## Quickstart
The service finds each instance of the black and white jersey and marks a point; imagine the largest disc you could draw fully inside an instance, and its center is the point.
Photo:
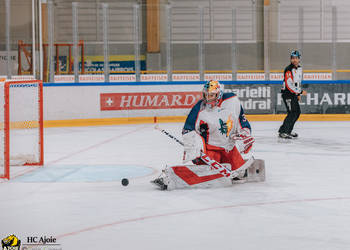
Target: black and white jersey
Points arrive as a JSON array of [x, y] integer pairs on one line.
[[292, 79]]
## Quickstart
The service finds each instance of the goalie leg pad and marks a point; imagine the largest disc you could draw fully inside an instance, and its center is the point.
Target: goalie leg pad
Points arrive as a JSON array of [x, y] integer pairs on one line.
[[203, 176], [234, 158], [194, 176]]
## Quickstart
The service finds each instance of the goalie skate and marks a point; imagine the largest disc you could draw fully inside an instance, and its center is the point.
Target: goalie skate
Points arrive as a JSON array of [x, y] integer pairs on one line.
[[160, 182]]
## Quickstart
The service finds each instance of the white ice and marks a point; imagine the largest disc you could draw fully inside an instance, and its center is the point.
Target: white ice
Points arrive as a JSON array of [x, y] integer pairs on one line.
[[304, 203]]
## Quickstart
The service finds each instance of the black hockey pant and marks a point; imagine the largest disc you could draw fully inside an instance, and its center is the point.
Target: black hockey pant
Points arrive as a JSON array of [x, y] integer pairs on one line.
[[293, 113]]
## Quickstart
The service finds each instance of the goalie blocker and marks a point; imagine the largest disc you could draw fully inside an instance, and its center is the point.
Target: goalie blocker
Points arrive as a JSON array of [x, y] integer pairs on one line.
[[203, 176]]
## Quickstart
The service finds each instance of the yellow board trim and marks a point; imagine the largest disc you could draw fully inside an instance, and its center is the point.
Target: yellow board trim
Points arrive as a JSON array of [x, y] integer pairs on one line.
[[166, 119]]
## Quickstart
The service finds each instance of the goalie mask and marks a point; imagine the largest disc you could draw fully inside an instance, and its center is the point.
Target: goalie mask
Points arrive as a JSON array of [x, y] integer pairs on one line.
[[212, 93]]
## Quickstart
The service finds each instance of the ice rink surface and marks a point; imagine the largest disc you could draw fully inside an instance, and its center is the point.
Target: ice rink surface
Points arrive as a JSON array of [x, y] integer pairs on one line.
[[77, 197]]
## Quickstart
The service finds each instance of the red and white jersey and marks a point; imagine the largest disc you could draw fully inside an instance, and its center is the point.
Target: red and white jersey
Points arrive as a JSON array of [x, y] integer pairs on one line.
[[216, 124], [292, 79]]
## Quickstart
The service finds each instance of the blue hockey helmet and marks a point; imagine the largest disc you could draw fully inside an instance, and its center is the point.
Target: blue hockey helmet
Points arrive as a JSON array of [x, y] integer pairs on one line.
[[295, 53]]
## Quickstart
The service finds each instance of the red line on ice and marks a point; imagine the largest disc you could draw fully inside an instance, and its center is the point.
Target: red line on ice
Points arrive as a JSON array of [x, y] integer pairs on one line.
[[195, 211]]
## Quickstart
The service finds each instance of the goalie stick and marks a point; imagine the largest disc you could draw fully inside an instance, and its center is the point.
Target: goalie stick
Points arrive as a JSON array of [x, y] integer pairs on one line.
[[211, 162]]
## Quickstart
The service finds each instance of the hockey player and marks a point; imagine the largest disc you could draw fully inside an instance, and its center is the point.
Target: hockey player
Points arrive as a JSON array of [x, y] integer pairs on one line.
[[291, 91], [217, 127]]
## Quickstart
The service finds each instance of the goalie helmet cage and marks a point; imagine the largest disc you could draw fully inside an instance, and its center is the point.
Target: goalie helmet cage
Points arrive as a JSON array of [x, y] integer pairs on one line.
[[21, 124]]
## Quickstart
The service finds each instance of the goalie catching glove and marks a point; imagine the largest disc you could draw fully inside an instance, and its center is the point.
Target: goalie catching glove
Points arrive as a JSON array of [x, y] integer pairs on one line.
[[193, 146], [243, 141]]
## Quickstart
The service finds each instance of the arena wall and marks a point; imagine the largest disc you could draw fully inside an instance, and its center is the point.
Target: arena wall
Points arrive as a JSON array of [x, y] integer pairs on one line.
[[89, 104]]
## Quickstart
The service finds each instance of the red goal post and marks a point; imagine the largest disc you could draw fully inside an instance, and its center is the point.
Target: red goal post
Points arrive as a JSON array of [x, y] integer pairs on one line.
[[21, 124]]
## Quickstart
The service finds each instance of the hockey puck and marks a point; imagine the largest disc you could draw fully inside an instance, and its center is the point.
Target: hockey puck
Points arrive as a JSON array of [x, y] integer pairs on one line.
[[125, 182]]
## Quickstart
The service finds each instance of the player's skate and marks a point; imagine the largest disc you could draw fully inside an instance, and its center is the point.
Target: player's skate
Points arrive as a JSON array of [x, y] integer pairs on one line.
[[241, 178], [294, 135], [161, 181], [285, 136]]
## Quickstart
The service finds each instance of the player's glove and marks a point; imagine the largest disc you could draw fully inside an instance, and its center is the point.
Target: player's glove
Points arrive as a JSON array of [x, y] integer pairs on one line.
[[244, 141], [193, 146]]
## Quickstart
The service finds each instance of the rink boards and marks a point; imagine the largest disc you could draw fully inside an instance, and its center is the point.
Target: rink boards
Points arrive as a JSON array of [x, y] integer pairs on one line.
[[89, 104]]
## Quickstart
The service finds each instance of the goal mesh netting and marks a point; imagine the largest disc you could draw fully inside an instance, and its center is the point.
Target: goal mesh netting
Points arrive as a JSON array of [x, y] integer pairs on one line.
[[21, 119]]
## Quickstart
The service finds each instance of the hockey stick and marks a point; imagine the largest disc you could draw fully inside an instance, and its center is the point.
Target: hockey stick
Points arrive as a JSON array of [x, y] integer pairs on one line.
[[211, 162], [169, 135]]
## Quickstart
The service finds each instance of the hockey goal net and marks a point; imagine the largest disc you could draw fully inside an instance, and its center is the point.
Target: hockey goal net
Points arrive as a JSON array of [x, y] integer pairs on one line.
[[21, 124]]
